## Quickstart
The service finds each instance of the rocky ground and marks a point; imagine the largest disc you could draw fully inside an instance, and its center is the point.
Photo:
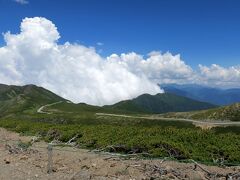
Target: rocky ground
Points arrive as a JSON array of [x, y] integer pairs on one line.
[[19, 162]]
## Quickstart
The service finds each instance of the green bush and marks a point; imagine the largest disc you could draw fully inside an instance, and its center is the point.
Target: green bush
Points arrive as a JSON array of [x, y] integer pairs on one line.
[[157, 140]]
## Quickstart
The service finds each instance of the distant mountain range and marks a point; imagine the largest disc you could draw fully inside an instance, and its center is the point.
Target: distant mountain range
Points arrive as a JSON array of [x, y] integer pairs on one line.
[[17, 99], [206, 94]]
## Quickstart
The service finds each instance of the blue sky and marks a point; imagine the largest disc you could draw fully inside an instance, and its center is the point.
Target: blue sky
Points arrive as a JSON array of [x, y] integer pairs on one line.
[[203, 32]]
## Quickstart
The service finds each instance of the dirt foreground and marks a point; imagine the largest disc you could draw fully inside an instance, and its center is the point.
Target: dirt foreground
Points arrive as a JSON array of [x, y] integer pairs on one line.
[[79, 164]]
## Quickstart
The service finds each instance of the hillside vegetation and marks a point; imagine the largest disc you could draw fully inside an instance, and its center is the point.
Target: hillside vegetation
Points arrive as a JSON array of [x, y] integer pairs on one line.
[[230, 113], [178, 142], [19, 99]]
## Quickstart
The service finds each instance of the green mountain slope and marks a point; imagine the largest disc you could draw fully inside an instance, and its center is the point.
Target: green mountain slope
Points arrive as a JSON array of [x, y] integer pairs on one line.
[[230, 113], [160, 103], [18, 99]]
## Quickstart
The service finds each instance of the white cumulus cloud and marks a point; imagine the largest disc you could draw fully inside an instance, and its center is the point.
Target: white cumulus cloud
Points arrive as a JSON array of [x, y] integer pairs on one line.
[[160, 68], [80, 74], [216, 75], [73, 71]]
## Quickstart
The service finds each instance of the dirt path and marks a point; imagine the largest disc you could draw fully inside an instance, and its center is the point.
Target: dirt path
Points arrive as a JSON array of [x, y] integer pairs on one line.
[[197, 122], [71, 163], [40, 110]]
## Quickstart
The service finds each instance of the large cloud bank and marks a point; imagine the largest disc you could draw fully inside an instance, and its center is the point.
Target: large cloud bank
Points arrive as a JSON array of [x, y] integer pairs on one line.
[[80, 74]]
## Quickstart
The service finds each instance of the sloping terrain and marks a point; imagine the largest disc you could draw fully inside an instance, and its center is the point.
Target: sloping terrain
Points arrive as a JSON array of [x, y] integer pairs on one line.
[[205, 94], [160, 103], [230, 113], [19, 99]]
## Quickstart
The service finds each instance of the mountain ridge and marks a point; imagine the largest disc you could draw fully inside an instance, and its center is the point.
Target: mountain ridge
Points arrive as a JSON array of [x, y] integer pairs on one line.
[[160, 103]]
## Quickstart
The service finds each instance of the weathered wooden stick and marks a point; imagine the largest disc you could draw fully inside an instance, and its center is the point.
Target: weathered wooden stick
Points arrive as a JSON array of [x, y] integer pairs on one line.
[[50, 163], [72, 139], [198, 165]]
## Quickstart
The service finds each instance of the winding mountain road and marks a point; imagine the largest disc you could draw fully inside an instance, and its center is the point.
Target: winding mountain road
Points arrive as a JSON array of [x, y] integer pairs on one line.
[[40, 110]]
